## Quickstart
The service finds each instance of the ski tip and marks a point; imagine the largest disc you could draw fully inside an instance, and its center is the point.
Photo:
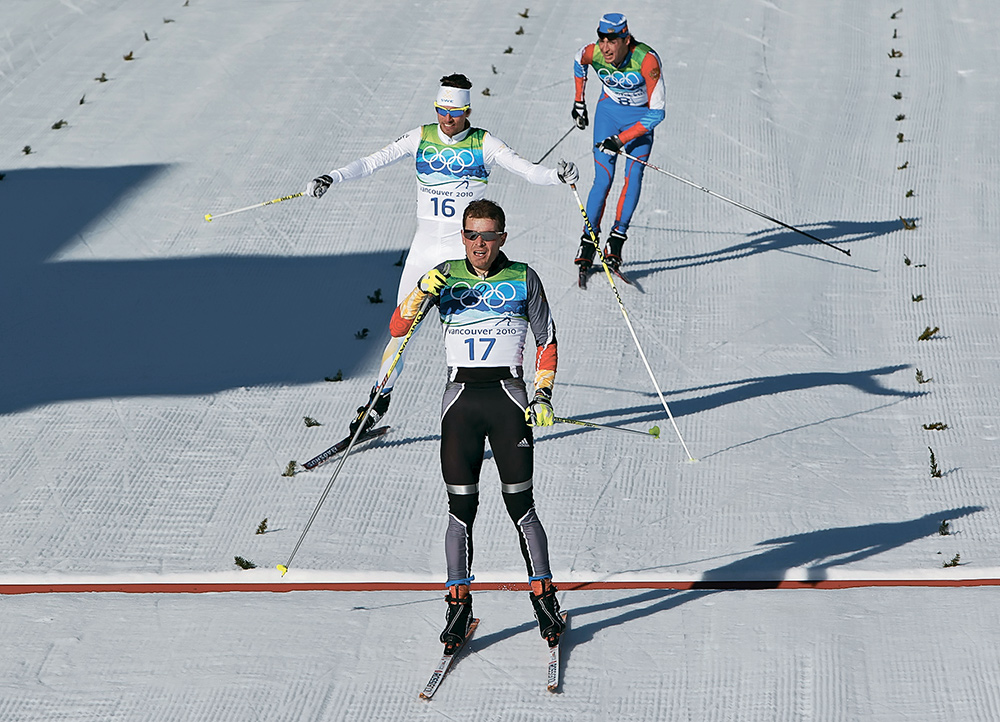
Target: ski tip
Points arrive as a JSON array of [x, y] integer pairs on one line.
[[208, 217], [692, 460], [655, 432], [283, 569]]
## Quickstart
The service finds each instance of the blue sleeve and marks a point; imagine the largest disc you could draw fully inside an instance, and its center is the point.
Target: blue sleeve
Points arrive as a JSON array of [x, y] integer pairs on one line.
[[652, 119]]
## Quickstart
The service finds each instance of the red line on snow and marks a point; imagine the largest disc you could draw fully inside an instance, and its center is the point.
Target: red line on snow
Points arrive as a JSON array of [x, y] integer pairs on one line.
[[373, 586]]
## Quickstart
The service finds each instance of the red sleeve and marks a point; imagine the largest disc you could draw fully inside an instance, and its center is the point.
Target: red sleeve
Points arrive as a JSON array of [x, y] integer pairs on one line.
[[399, 326], [546, 358], [651, 73], [580, 73]]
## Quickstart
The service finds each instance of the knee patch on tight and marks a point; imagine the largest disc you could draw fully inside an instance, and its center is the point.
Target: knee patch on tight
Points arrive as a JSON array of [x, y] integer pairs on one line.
[[463, 507], [519, 504]]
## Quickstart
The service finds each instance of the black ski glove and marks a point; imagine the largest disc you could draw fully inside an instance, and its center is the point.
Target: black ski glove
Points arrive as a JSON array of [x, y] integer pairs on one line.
[[611, 145]]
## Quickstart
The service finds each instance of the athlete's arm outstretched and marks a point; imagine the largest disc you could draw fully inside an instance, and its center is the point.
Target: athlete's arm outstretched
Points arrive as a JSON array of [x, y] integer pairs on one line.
[[405, 145], [496, 152]]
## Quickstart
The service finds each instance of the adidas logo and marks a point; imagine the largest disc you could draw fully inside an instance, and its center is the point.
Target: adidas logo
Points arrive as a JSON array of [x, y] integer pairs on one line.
[[524, 444]]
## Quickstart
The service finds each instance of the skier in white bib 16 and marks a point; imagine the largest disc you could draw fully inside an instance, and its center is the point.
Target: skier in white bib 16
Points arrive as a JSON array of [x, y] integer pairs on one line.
[[453, 161]]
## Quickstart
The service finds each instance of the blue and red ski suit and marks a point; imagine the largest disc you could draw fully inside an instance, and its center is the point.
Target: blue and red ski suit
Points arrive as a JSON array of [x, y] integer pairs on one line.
[[632, 103]]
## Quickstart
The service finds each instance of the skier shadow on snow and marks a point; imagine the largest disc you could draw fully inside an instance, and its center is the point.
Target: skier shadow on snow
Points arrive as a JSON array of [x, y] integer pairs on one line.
[[733, 392], [817, 551], [78, 329], [836, 232]]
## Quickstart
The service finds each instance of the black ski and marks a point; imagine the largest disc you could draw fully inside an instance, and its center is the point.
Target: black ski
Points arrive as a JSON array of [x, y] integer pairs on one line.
[[343, 444], [445, 664], [621, 274], [553, 670], [585, 274]]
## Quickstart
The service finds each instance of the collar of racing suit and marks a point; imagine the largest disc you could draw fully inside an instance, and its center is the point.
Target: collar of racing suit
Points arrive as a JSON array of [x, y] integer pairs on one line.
[[501, 262], [457, 138]]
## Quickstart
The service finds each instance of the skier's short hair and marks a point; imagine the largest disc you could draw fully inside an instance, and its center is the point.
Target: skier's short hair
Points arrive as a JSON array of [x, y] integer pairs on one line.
[[456, 80], [487, 209]]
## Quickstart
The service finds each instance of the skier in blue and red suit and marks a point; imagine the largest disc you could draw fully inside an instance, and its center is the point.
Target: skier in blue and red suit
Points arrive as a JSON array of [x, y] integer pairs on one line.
[[632, 103]]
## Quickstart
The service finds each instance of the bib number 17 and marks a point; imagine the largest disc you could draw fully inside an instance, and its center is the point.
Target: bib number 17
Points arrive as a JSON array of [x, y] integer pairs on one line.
[[471, 343], [446, 207]]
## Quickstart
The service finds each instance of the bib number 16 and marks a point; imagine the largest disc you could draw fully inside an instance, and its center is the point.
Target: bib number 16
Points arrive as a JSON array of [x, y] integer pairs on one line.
[[445, 208]]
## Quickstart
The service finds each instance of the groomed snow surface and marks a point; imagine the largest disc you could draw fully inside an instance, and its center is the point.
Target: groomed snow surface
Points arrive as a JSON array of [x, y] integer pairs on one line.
[[156, 369]]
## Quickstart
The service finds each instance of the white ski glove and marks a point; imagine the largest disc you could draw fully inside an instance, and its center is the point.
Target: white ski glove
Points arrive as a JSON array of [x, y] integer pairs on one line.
[[318, 186], [568, 172]]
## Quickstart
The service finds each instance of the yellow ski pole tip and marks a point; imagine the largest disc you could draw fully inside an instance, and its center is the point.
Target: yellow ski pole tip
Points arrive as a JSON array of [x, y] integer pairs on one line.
[[282, 568], [208, 217], [655, 432]]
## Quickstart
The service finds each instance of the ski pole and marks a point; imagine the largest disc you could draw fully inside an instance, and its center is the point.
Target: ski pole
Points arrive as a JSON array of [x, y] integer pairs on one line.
[[736, 203], [572, 128], [654, 432], [621, 305], [283, 568], [209, 217]]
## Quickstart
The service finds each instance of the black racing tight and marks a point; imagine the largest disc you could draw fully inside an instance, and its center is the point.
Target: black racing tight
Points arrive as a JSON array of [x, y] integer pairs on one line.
[[472, 413]]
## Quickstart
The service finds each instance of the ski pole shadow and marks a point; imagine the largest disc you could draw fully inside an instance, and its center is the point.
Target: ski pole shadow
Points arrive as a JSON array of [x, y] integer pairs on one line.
[[390, 443], [481, 642], [659, 600], [817, 551], [714, 396], [836, 232], [566, 644]]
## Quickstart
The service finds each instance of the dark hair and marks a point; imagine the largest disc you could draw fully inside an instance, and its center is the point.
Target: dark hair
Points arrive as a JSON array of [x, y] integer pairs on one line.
[[486, 209], [456, 80]]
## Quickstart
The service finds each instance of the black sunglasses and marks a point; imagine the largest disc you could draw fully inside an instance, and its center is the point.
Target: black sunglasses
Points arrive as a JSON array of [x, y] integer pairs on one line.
[[610, 36], [485, 235]]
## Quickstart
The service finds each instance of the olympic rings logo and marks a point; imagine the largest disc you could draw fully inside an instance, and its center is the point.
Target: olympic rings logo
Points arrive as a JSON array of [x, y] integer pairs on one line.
[[453, 160], [618, 79], [493, 296]]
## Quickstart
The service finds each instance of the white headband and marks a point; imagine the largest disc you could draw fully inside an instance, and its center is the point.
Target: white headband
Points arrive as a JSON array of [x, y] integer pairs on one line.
[[453, 97]]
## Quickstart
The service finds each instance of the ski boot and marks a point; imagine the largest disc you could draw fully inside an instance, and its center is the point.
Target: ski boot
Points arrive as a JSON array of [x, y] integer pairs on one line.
[[613, 251], [378, 411], [458, 619], [585, 257], [546, 606]]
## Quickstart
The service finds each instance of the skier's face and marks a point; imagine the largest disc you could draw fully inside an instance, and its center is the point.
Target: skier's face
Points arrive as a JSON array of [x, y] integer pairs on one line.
[[614, 50], [450, 123], [481, 252]]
